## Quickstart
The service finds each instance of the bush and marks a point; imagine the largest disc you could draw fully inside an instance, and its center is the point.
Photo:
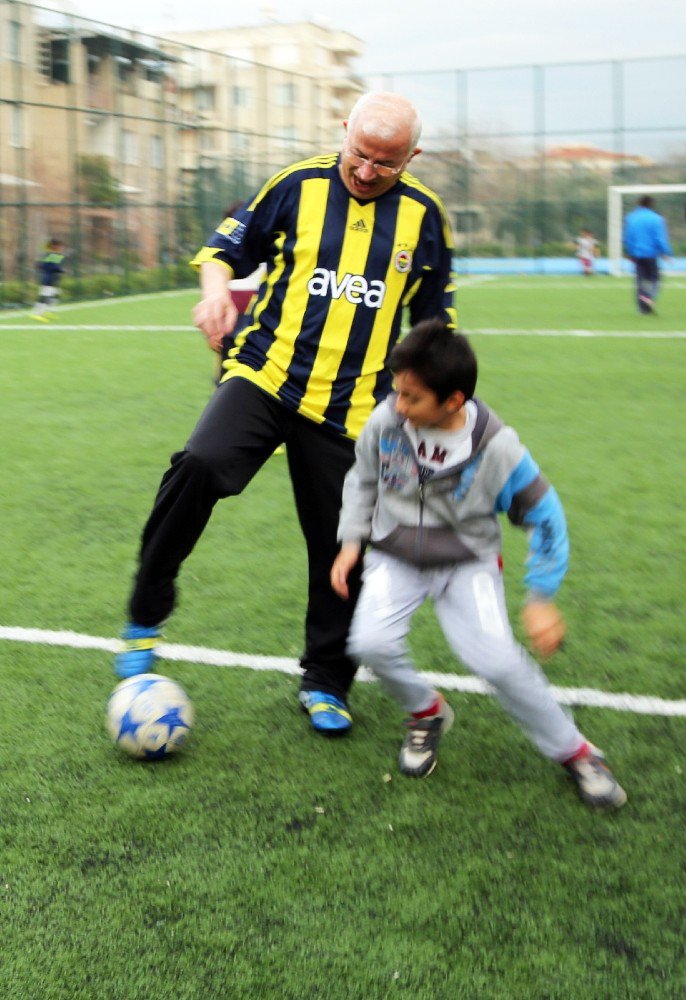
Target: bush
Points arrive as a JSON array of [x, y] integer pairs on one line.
[[18, 293], [96, 286]]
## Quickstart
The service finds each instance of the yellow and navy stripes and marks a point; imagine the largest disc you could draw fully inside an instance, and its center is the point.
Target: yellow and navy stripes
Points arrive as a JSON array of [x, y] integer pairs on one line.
[[339, 272]]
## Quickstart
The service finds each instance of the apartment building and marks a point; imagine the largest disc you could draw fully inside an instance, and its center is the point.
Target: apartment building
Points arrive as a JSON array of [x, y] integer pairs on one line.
[[88, 140], [255, 99], [107, 136]]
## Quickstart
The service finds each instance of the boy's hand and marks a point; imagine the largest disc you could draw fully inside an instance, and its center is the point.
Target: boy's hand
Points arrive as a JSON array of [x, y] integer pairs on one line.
[[343, 563], [544, 626]]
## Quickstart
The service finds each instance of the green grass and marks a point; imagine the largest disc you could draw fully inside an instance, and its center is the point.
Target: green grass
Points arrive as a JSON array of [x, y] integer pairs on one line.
[[266, 862]]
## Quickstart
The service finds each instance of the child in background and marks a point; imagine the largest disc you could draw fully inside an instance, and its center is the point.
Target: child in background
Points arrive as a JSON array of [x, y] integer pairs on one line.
[[587, 250], [50, 270], [434, 467]]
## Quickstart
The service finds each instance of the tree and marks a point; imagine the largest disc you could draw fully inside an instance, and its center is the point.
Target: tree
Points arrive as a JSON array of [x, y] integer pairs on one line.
[[96, 183]]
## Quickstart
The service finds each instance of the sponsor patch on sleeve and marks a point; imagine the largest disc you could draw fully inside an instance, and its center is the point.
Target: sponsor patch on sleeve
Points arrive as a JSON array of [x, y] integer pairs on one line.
[[232, 229]]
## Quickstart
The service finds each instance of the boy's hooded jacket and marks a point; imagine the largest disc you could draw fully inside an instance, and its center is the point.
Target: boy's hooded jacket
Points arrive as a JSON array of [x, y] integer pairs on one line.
[[451, 517]]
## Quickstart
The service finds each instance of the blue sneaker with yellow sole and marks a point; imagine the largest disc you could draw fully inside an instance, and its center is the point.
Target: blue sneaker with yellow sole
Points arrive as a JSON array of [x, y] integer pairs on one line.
[[328, 714], [137, 654]]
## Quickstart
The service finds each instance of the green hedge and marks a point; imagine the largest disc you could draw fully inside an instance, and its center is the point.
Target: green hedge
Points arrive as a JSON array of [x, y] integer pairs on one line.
[[95, 286]]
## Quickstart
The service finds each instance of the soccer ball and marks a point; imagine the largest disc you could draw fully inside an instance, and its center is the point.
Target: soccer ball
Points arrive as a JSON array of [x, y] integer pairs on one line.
[[149, 716]]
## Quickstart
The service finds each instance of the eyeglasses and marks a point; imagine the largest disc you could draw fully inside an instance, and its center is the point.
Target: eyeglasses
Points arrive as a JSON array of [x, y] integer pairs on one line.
[[382, 169]]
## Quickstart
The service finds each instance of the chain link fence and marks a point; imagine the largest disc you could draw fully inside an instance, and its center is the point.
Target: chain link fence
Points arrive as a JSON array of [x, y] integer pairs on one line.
[[128, 147]]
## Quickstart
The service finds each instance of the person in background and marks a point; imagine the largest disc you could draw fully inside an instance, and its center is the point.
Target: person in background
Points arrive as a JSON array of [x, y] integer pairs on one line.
[[586, 251], [50, 270], [645, 241], [349, 239], [434, 468]]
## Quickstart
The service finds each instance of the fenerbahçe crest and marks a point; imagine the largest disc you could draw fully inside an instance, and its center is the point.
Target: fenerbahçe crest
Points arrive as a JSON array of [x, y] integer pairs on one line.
[[402, 261]]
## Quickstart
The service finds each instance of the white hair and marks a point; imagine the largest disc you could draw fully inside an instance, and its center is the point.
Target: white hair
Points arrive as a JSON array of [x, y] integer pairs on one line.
[[382, 114]]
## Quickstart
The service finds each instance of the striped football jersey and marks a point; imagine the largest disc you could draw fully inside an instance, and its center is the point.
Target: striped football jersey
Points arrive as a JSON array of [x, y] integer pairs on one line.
[[339, 273]]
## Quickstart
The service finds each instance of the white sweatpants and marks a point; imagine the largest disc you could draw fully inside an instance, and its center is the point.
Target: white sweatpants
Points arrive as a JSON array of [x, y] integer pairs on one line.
[[470, 604]]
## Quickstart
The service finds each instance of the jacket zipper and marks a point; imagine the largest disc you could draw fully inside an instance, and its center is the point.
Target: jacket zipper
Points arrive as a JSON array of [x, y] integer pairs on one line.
[[419, 546]]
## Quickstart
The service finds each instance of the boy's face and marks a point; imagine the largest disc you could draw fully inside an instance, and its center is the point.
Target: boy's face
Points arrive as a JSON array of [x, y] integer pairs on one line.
[[419, 404]]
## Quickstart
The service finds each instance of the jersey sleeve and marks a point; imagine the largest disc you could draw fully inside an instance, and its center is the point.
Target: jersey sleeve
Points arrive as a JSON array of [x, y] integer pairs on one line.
[[242, 241], [532, 503], [434, 293]]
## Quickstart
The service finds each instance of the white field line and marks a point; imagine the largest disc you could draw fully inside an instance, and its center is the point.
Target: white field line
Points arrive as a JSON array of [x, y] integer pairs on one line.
[[51, 327], [510, 284], [96, 303], [621, 334], [467, 280], [484, 331], [590, 697]]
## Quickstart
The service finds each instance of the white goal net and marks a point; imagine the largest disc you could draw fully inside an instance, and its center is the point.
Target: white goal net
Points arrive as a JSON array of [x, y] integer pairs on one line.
[[615, 215]]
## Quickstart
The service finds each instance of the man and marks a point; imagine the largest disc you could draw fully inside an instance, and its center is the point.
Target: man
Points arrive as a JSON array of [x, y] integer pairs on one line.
[[349, 240], [645, 241]]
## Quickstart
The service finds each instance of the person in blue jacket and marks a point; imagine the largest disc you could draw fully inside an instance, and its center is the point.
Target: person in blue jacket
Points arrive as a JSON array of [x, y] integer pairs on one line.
[[434, 467], [645, 241]]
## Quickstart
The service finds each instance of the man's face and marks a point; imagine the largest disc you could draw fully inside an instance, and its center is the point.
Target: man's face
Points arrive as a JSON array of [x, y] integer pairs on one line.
[[365, 160]]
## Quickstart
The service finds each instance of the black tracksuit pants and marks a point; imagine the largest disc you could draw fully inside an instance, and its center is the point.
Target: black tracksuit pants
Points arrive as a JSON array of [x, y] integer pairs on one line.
[[236, 434], [647, 282]]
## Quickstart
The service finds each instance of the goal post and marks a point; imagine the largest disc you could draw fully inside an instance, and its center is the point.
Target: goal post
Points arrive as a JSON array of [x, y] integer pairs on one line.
[[615, 215]]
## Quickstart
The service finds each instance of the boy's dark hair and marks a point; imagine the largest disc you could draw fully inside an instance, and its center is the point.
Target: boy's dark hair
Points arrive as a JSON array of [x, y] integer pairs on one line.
[[646, 201], [441, 358]]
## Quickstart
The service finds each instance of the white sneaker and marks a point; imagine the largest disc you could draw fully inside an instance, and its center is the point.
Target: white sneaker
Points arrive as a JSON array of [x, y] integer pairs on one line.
[[597, 785], [418, 753]]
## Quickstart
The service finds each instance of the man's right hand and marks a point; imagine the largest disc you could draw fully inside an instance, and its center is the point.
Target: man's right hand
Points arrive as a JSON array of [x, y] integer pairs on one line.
[[216, 316]]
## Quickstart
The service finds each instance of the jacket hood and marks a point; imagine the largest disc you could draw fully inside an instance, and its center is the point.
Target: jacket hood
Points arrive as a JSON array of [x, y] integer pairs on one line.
[[487, 424]]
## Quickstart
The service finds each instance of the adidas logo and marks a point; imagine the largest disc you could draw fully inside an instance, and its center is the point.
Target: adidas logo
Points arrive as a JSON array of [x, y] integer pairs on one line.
[[359, 227]]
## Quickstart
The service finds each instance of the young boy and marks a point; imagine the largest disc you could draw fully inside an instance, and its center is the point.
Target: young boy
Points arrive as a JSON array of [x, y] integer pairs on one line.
[[50, 271], [434, 467], [587, 251]]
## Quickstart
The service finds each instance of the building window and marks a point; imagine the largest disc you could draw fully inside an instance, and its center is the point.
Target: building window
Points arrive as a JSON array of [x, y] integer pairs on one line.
[[126, 71], [241, 97], [53, 58], [240, 142], [153, 70], [16, 126], [14, 41], [204, 99], [60, 60], [285, 95], [130, 148], [156, 152], [286, 137]]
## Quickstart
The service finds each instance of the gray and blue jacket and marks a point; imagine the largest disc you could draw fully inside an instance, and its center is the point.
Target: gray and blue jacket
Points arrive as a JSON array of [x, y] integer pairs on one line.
[[453, 516]]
